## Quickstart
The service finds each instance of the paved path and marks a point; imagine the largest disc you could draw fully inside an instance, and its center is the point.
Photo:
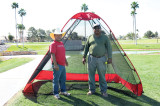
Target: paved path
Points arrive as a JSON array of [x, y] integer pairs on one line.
[[15, 79]]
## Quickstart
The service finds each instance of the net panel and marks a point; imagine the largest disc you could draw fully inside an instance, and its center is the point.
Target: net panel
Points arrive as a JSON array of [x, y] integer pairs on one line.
[[121, 64]]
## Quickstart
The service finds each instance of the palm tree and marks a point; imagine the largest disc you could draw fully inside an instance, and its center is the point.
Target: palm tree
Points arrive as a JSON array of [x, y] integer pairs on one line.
[[15, 6], [84, 7], [132, 14], [22, 13], [134, 6], [21, 27]]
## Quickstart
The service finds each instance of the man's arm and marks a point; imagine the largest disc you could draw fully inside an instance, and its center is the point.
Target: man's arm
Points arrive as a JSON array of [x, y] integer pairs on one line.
[[109, 51], [86, 49], [56, 67]]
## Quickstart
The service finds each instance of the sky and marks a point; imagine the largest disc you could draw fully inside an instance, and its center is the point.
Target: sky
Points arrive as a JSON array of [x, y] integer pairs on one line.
[[49, 14]]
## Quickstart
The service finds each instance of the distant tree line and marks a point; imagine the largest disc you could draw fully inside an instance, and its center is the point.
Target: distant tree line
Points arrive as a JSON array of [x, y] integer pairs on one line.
[[75, 36], [149, 34], [39, 35]]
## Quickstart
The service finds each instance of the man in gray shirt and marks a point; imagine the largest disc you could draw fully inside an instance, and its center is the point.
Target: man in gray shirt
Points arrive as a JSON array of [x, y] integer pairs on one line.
[[98, 45]]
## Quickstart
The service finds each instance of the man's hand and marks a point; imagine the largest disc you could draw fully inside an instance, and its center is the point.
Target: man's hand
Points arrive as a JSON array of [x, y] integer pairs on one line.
[[109, 61], [84, 60], [66, 63], [56, 67]]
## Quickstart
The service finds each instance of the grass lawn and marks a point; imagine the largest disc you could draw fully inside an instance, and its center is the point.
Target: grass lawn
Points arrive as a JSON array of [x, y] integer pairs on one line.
[[141, 46], [40, 49], [140, 41], [31, 43], [148, 70], [12, 63]]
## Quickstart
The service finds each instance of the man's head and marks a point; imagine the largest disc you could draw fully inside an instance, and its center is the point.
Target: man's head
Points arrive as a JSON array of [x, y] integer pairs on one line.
[[57, 35], [97, 29]]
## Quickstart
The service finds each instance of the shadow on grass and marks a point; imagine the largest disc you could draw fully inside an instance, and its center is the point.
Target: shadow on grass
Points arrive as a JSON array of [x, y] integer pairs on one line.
[[79, 93], [125, 92], [142, 98], [31, 97], [72, 100], [148, 100], [118, 101], [75, 101]]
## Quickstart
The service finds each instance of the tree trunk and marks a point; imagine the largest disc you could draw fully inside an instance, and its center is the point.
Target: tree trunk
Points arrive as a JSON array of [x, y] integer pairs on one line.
[[22, 33], [16, 28], [135, 30]]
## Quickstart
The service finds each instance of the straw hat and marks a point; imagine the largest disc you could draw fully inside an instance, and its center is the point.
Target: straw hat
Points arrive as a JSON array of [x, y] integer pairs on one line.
[[58, 32]]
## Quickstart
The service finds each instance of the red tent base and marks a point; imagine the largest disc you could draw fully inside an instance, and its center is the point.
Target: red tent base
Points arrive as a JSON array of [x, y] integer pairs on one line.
[[48, 75]]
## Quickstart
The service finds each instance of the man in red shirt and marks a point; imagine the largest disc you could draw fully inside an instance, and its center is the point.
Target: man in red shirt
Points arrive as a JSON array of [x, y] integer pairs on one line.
[[59, 62]]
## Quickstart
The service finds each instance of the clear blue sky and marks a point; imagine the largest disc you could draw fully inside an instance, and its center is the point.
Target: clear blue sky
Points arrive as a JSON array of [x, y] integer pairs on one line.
[[48, 14]]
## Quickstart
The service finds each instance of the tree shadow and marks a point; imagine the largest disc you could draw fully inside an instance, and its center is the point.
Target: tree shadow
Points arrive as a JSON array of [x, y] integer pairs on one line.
[[143, 98], [75, 101], [118, 101], [148, 100]]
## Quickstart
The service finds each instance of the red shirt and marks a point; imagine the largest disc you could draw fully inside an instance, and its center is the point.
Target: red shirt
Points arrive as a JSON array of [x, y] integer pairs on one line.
[[58, 49]]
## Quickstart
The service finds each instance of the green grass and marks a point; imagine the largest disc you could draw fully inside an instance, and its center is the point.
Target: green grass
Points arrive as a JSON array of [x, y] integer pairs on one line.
[[40, 49], [31, 43], [148, 70], [47, 43], [75, 64], [139, 41], [141, 46], [12, 63]]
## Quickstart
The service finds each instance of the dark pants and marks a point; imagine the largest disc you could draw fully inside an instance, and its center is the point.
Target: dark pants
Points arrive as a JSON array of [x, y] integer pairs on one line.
[[99, 65]]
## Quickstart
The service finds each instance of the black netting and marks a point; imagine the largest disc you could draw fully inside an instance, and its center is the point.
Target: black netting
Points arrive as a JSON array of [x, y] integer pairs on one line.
[[75, 40]]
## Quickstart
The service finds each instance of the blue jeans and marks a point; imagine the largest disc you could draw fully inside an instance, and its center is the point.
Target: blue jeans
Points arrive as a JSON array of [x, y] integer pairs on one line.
[[99, 65], [59, 79]]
